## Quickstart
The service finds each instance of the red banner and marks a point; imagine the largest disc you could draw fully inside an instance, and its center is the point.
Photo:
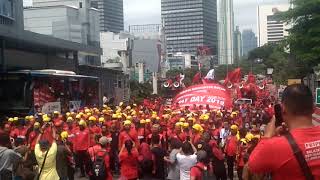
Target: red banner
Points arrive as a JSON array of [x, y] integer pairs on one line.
[[214, 95]]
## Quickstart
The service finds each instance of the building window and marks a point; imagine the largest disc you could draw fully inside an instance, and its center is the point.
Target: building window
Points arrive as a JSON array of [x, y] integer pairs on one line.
[[6, 8], [80, 4]]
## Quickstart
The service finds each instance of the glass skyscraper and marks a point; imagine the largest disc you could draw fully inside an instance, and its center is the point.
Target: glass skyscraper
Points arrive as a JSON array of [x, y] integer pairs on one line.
[[189, 25], [111, 14]]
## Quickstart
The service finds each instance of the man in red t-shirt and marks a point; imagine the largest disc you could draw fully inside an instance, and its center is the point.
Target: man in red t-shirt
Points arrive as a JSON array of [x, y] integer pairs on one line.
[[198, 171], [274, 154], [231, 149]]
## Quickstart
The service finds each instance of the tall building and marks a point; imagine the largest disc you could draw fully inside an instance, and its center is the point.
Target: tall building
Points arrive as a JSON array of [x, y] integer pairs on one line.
[[226, 30], [146, 31], [111, 14], [249, 41], [237, 45], [270, 29], [189, 24], [73, 20]]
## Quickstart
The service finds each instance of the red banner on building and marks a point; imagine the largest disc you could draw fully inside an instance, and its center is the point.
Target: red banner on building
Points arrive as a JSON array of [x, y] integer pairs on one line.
[[214, 95]]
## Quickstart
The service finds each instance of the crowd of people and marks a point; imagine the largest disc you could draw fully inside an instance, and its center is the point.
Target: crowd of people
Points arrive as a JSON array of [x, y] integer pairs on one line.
[[135, 142]]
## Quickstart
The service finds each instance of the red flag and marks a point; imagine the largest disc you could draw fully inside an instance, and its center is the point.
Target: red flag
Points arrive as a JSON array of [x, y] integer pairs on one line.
[[196, 79], [233, 76], [251, 78]]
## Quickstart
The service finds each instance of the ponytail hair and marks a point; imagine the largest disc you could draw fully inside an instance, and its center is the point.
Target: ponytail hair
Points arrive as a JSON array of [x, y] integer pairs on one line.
[[128, 145]]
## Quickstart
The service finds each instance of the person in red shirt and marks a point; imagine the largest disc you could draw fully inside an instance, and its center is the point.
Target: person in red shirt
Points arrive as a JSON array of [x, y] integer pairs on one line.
[[128, 133], [81, 144], [231, 150], [33, 135], [20, 131], [273, 154], [102, 151], [178, 133], [198, 171], [128, 158]]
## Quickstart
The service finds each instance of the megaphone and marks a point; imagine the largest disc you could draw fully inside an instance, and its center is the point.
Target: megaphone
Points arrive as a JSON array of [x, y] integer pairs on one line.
[[261, 87], [176, 84], [229, 85], [166, 84]]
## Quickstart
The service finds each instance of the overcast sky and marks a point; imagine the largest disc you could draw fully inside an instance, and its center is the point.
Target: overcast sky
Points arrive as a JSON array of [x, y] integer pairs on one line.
[[149, 11]]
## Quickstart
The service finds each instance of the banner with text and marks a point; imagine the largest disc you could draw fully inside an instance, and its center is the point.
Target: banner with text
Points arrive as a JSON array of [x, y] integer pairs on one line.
[[50, 107], [214, 95]]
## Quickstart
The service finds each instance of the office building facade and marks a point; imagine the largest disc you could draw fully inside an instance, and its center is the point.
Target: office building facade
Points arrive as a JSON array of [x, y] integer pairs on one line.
[[111, 15], [249, 41], [189, 25], [270, 28], [237, 45], [226, 32]]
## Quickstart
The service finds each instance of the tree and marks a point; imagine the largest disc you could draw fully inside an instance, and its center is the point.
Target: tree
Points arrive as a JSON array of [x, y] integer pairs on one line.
[[304, 36], [140, 91]]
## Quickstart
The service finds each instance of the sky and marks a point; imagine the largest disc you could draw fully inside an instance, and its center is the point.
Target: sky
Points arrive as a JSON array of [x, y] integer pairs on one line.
[[138, 12], [149, 11]]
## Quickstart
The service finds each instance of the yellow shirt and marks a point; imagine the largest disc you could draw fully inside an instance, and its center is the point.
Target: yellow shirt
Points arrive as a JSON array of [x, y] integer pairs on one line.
[[49, 171]]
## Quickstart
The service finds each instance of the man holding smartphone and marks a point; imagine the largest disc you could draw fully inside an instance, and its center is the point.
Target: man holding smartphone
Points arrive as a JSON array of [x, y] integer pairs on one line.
[[275, 154]]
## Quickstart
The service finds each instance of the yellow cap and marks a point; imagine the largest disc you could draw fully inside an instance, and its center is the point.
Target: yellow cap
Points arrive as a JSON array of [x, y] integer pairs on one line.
[[185, 125], [89, 114], [243, 140], [64, 135], [142, 121], [56, 112], [126, 122], [249, 137], [15, 119], [135, 105], [82, 123], [121, 103], [92, 118], [31, 117], [101, 119], [69, 119], [87, 111], [36, 124], [179, 124], [157, 118], [68, 114], [128, 107], [114, 116], [129, 118], [10, 120], [197, 127], [234, 127], [119, 116], [182, 120], [148, 120], [27, 118], [154, 116], [191, 119], [78, 116]]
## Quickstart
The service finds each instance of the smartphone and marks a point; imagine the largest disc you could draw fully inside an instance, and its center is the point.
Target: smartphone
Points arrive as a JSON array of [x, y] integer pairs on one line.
[[278, 114]]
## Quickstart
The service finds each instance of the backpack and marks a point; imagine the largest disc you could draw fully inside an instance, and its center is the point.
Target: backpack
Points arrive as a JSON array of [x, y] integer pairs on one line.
[[99, 167], [204, 173]]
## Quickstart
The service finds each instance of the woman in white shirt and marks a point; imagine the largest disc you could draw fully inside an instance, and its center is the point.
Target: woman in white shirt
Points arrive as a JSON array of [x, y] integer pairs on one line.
[[186, 159]]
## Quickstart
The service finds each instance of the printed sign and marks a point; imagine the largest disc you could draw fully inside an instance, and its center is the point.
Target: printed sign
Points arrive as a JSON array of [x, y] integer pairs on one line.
[[50, 107], [74, 106]]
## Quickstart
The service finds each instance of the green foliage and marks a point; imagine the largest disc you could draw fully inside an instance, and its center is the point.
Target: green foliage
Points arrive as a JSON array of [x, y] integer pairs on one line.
[[304, 38], [140, 91]]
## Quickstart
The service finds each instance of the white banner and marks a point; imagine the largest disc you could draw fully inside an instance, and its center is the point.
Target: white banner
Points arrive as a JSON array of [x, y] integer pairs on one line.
[[50, 107], [74, 106]]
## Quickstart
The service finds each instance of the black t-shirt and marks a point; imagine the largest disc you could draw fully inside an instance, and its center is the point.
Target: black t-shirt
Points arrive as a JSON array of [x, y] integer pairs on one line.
[[159, 154]]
